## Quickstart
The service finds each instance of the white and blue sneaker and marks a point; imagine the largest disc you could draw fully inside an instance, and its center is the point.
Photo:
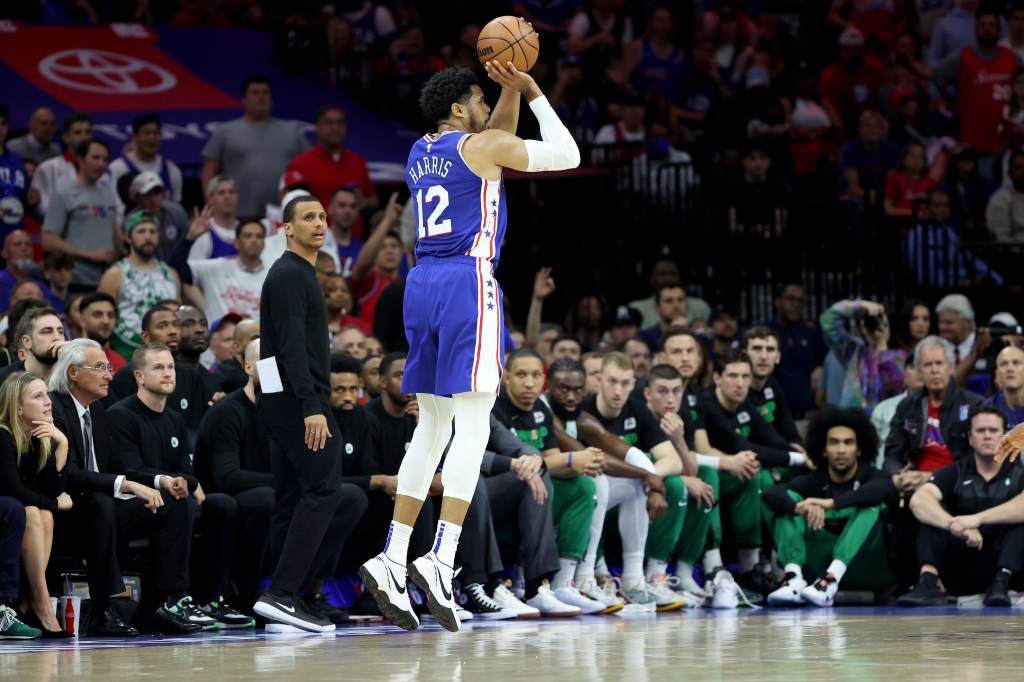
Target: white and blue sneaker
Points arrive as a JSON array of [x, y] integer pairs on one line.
[[435, 579], [386, 581]]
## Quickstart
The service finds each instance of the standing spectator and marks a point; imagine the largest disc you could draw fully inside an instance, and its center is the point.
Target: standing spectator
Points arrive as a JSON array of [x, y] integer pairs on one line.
[[802, 346], [912, 181], [37, 145], [328, 165], [232, 284], [344, 211], [851, 85], [982, 76], [144, 155], [254, 150], [378, 262], [1015, 40], [952, 33], [81, 218], [212, 232], [13, 182], [57, 171], [1005, 212]]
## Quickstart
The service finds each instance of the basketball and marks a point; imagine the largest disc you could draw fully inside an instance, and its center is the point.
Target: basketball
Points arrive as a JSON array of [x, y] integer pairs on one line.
[[509, 39]]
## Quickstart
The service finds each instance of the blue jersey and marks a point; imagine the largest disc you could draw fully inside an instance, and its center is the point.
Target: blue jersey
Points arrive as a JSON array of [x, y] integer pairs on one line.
[[457, 212], [13, 191]]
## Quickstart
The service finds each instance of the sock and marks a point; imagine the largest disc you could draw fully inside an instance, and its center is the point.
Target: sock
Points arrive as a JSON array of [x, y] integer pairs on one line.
[[601, 568], [794, 569], [632, 569], [712, 560], [446, 542], [655, 567], [492, 584], [684, 570], [1006, 571], [397, 546], [838, 569], [928, 579], [566, 572], [749, 556], [532, 586]]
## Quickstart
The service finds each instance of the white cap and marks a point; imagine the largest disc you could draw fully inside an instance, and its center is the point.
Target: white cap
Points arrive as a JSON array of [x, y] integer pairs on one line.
[[146, 181]]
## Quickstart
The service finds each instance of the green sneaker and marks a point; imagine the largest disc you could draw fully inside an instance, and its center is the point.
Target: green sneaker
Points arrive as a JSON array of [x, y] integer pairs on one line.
[[12, 628], [228, 617]]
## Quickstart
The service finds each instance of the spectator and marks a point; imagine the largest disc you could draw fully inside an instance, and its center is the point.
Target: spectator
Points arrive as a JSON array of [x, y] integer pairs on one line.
[[952, 33], [213, 232], [598, 34], [624, 325], [910, 183], [201, 13], [378, 262], [670, 302], [952, 544], [802, 346], [254, 150], [1015, 40], [701, 88], [1005, 212], [52, 174], [866, 161], [147, 192], [33, 459], [663, 272], [344, 212], [915, 323], [98, 315], [850, 86], [908, 72], [652, 65], [1009, 376], [810, 127], [570, 99], [231, 371], [57, 270], [13, 182], [17, 254], [956, 325], [734, 45], [12, 533], [881, 416], [833, 513], [372, 25], [969, 194], [222, 332], [37, 145], [40, 336], [232, 284], [81, 219], [402, 72], [758, 201], [144, 155], [880, 23]]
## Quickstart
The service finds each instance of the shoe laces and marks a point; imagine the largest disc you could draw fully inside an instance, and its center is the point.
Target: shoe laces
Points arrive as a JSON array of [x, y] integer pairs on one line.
[[480, 595], [7, 618]]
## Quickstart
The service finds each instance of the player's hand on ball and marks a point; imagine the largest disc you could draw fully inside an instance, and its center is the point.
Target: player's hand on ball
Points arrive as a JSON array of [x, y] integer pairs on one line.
[[316, 432], [1011, 444], [507, 76]]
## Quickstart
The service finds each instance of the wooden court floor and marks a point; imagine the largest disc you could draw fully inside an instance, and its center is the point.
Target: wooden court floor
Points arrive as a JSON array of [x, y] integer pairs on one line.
[[833, 645]]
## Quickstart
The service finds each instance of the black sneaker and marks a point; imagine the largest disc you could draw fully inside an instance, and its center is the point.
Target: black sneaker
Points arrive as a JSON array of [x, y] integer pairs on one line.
[[227, 617], [925, 593], [175, 619], [318, 605], [756, 585], [475, 600], [998, 592], [292, 611]]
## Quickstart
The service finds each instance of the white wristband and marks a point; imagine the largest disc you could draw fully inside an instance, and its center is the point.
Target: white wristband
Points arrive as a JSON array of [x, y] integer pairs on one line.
[[639, 459], [797, 459], [709, 461]]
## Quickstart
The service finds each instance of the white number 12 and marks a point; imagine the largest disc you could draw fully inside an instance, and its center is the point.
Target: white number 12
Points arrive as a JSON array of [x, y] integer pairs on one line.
[[433, 227]]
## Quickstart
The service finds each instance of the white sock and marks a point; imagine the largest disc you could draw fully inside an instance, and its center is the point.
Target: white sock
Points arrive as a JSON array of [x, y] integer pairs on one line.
[[566, 572], [838, 569], [749, 556], [655, 567], [684, 570], [397, 546], [712, 560], [632, 568], [446, 541], [794, 569], [601, 568]]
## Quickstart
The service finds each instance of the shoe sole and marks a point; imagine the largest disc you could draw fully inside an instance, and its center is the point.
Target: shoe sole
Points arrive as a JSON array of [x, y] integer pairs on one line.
[[238, 626], [494, 616], [447, 617], [271, 613], [397, 615], [615, 608], [563, 614], [674, 606]]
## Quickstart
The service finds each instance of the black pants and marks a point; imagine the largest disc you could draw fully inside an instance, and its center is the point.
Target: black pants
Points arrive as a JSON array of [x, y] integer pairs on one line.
[[367, 539], [346, 518], [964, 570], [478, 554], [12, 530], [307, 489], [214, 547], [255, 508], [512, 503]]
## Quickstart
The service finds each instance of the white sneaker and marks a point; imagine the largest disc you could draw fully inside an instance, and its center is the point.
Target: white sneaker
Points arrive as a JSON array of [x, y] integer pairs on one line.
[[822, 592], [463, 614], [549, 605], [686, 583], [789, 593], [435, 579], [386, 581], [665, 598], [724, 594], [504, 598], [690, 600], [604, 593], [568, 594]]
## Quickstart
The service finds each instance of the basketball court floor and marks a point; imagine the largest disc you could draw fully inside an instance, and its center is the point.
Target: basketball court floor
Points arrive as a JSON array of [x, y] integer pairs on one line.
[[832, 645]]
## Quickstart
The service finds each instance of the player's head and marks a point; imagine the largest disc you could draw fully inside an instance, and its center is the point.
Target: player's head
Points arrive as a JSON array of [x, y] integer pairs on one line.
[[454, 96], [733, 376], [566, 380], [681, 348], [616, 380], [346, 380], [841, 438], [524, 377], [664, 390], [762, 345], [391, 371]]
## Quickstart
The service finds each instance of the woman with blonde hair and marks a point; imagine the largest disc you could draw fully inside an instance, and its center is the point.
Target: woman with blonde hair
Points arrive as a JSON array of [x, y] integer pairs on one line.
[[33, 454]]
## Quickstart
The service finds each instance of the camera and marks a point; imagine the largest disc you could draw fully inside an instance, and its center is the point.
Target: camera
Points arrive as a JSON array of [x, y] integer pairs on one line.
[[1002, 330], [871, 323]]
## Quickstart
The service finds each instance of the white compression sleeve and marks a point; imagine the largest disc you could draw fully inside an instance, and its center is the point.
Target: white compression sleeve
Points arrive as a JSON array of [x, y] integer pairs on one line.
[[558, 151], [708, 461], [639, 459]]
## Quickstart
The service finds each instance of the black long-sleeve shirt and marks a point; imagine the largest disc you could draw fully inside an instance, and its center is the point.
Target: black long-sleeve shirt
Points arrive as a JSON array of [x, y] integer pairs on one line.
[[148, 442], [744, 429], [293, 329], [869, 488], [395, 434], [232, 448], [359, 431], [23, 480], [774, 408], [191, 394]]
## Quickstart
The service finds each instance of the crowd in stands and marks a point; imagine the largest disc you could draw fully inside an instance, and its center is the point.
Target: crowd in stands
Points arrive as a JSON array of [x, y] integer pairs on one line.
[[749, 461]]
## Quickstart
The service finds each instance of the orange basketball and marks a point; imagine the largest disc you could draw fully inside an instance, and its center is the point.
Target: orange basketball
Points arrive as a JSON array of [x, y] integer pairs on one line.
[[509, 39]]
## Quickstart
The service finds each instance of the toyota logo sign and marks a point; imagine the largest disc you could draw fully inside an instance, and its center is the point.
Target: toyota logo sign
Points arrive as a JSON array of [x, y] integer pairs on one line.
[[105, 72]]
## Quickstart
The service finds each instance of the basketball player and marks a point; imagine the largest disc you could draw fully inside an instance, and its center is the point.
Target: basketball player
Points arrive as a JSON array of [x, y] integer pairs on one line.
[[453, 312]]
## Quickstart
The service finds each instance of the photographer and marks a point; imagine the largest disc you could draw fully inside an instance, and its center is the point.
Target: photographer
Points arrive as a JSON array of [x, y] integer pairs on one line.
[[857, 331], [976, 369]]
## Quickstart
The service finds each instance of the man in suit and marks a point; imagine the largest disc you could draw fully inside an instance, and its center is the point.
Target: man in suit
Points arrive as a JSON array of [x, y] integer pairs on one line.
[[109, 505]]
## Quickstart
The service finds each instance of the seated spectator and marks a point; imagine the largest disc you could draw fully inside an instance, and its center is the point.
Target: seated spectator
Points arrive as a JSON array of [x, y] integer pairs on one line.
[[881, 416], [758, 201], [833, 514], [652, 65], [339, 303], [33, 460], [57, 270], [700, 89], [597, 34], [39, 334], [969, 194], [222, 334], [1004, 215], [144, 155], [231, 372], [401, 73], [977, 372], [38, 144], [12, 533], [801, 344], [952, 544], [810, 128], [1009, 377], [912, 180], [565, 346], [570, 99], [670, 301], [725, 330], [857, 331], [213, 232], [638, 353], [148, 192], [17, 255], [149, 439], [908, 72], [956, 325], [372, 23], [850, 86], [915, 323], [55, 172], [344, 213], [866, 161], [13, 183], [733, 45]]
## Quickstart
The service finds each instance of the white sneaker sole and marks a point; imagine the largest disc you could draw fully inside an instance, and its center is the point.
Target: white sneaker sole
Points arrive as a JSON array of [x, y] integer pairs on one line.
[[406, 620], [271, 612]]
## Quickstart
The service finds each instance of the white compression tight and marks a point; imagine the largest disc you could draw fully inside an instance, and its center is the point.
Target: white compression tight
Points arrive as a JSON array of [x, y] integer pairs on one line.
[[472, 413], [633, 524]]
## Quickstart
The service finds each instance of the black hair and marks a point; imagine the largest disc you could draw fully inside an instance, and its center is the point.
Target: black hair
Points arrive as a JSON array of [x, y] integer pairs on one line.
[[388, 360], [565, 336], [564, 365], [663, 287], [3, 111], [986, 409], [82, 150], [96, 297], [76, 117], [853, 418], [446, 87], [254, 79], [326, 108], [345, 188], [288, 214], [729, 357], [664, 372], [520, 353], [144, 119], [148, 316], [58, 260], [343, 363], [249, 220]]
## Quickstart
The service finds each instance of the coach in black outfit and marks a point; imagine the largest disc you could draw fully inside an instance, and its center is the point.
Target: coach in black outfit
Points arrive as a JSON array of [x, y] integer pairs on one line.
[[103, 510], [295, 408]]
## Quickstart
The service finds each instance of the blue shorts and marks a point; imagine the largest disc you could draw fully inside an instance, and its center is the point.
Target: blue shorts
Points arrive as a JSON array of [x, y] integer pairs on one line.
[[453, 322]]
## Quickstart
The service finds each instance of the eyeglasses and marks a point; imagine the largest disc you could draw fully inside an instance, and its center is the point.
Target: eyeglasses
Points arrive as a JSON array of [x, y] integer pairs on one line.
[[100, 368]]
